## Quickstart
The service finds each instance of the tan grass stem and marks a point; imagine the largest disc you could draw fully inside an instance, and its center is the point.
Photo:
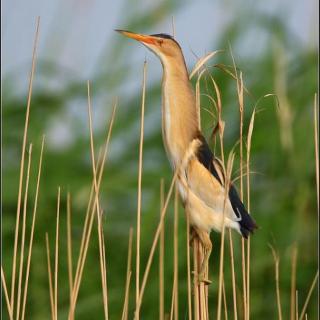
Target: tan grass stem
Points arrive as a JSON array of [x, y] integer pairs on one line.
[[189, 268], [293, 281], [56, 260], [176, 254], [25, 133], [155, 240], [224, 301], [233, 277], [23, 232], [128, 277], [50, 277], [161, 257], [97, 205], [139, 190], [240, 87], [221, 262], [88, 222], [304, 308], [34, 214], [23, 235], [5, 290], [277, 261], [69, 245], [249, 140], [316, 145]]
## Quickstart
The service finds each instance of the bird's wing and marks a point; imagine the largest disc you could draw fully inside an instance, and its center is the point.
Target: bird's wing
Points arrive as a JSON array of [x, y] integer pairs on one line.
[[205, 179]]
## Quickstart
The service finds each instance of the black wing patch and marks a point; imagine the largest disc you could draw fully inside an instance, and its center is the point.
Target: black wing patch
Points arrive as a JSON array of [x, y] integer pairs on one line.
[[206, 158]]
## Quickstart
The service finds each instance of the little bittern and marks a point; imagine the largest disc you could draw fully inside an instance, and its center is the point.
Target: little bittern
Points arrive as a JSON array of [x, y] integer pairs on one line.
[[201, 180]]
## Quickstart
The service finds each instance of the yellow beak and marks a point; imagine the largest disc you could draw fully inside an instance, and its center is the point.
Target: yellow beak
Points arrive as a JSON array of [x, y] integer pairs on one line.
[[139, 37]]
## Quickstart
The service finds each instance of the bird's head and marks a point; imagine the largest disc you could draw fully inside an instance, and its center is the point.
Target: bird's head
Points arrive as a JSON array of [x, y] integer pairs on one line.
[[163, 45]]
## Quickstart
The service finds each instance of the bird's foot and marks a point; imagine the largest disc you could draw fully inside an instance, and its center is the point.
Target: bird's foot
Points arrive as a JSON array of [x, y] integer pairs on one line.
[[201, 278]]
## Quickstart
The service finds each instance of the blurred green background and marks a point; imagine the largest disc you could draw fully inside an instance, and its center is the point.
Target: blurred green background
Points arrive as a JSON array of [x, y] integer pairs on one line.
[[275, 47]]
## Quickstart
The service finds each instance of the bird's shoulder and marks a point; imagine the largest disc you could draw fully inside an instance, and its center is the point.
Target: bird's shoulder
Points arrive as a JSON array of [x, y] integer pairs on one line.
[[207, 158]]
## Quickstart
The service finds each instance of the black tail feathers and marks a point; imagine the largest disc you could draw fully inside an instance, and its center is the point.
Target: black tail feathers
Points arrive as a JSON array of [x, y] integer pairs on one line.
[[247, 224]]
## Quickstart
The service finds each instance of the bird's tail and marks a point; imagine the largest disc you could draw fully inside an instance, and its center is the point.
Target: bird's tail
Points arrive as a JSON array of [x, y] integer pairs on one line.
[[247, 224]]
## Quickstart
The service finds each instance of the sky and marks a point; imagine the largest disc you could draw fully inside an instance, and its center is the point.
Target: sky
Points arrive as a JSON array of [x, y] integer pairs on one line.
[[79, 29]]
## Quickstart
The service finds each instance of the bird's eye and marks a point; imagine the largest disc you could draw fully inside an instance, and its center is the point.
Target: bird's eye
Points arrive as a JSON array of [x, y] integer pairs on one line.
[[160, 42]]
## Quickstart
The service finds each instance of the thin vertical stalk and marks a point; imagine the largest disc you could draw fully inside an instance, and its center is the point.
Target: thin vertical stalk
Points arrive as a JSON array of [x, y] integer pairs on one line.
[[25, 133], [224, 301], [249, 139], [316, 145], [293, 282], [189, 268], [276, 261], [35, 206], [155, 241], [5, 290], [50, 277], [69, 245], [88, 223], [226, 187], [297, 305], [234, 293], [161, 257], [137, 315], [56, 260], [97, 205], [304, 308], [128, 277], [175, 255], [23, 236], [239, 83]]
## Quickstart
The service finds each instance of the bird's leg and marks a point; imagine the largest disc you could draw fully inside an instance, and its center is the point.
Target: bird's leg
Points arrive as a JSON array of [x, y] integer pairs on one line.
[[207, 246]]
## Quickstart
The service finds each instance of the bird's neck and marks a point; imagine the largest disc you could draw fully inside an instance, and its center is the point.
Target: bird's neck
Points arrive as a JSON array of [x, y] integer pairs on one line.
[[179, 112]]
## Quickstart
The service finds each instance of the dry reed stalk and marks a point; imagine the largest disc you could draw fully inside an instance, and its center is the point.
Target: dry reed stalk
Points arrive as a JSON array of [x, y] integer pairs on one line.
[[189, 268], [88, 223], [161, 257], [50, 277], [25, 133], [139, 190], [56, 259], [239, 82], [224, 301], [69, 245], [128, 278], [233, 276], [35, 206], [196, 266], [249, 139], [173, 298], [276, 261], [23, 236], [316, 145], [176, 255], [293, 281], [304, 308], [155, 240], [5, 290], [97, 205], [106, 307], [297, 305], [226, 186]]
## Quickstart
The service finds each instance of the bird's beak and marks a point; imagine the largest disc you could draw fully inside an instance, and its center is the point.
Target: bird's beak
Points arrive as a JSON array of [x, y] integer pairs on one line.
[[139, 37]]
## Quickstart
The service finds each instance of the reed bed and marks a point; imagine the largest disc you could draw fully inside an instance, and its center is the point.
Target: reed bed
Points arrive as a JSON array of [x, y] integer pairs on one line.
[[198, 299]]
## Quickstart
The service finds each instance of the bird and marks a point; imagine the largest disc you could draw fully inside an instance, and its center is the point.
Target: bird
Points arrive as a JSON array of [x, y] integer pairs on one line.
[[208, 200]]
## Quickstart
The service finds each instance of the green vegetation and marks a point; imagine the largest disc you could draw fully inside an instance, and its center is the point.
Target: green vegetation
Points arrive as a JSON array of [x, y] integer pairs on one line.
[[283, 185]]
